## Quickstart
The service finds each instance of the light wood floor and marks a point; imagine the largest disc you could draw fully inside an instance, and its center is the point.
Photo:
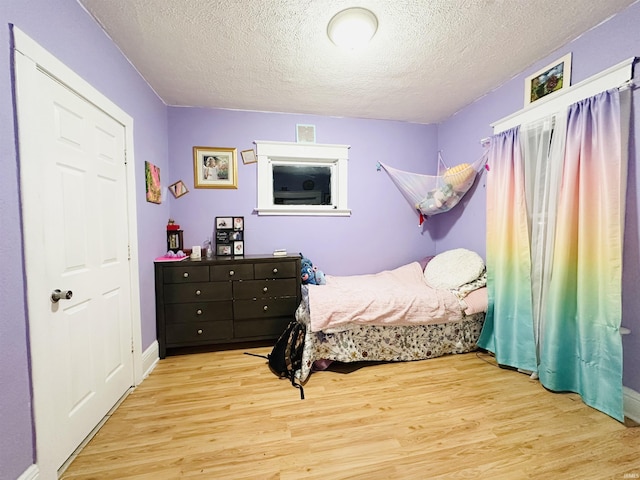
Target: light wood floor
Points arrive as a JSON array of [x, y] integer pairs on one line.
[[224, 415]]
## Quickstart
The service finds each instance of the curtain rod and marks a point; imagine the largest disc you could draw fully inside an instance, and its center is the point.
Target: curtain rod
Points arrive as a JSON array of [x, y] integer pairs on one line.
[[629, 84]]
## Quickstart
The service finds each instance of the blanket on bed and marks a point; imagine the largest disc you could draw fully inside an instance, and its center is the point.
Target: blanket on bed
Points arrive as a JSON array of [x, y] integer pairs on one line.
[[392, 297]]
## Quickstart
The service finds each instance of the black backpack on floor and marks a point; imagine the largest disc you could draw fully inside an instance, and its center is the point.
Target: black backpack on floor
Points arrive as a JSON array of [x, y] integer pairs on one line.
[[286, 357]]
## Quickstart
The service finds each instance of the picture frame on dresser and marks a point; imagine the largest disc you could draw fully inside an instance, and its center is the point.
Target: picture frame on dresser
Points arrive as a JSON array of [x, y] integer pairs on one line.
[[229, 236], [223, 250], [224, 223]]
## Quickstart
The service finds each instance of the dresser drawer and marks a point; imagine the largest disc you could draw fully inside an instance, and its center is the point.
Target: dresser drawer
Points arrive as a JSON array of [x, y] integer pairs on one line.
[[197, 292], [276, 270], [198, 312], [264, 307], [241, 271], [265, 288], [198, 332], [186, 274]]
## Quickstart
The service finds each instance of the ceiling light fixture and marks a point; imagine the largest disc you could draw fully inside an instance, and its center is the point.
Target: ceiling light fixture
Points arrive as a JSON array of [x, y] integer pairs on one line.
[[352, 28]]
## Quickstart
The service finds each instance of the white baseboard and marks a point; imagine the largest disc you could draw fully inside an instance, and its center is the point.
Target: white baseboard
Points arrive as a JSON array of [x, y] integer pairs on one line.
[[631, 404], [30, 473], [150, 358]]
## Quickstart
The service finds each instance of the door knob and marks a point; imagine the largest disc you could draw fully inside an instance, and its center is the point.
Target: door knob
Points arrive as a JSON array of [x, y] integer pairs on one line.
[[57, 295]]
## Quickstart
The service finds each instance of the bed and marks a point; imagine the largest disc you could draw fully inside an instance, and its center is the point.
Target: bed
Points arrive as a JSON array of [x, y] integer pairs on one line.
[[417, 311]]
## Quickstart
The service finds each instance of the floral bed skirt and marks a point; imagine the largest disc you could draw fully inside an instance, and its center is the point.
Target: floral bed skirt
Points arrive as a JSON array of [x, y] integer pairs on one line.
[[387, 343]]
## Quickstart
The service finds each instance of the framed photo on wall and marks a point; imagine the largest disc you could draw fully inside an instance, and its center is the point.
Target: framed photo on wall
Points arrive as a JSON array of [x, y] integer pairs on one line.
[[248, 156], [548, 80], [152, 182], [215, 167], [178, 189], [305, 133]]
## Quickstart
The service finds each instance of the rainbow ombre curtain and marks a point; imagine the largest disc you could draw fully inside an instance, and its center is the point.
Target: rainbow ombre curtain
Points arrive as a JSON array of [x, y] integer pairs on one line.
[[572, 337], [508, 327]]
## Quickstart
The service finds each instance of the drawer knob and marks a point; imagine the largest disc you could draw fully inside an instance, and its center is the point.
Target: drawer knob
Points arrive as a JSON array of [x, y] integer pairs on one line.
[[265, 308], [231, 273], [265, 289], [185, 274], [200, 332], [197, 292], [199, 312], [275, 270]]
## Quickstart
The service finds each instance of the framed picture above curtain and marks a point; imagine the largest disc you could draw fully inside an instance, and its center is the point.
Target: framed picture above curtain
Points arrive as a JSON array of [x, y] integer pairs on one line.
[[215, 167], [548, 80]]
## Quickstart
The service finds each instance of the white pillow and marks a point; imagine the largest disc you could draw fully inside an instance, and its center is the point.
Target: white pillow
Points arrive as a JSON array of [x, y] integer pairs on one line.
[[453, 268]]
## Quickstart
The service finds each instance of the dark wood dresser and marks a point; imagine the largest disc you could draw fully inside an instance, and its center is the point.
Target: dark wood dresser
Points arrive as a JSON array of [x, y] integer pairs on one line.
[[225, 300]]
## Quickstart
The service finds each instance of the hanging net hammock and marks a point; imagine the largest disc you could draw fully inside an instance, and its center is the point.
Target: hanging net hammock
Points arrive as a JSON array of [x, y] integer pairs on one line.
[[432, 194]]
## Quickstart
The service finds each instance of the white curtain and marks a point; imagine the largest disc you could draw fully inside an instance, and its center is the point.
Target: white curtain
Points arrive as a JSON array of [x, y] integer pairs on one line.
[[543, 145]]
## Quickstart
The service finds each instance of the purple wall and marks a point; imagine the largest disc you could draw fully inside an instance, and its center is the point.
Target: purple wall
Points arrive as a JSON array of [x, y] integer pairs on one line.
[[67, 31], [382, 231], [605, 46]]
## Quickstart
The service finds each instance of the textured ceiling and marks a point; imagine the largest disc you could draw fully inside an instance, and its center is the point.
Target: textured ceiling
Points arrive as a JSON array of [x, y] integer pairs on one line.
[[429, 58]]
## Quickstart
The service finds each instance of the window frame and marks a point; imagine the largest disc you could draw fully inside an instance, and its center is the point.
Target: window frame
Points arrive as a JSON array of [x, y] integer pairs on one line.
[[335, 157]]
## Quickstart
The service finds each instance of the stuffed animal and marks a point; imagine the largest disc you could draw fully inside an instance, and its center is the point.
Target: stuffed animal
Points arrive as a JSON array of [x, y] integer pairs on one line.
[[436, 199], [305, 262], [309, 274], [460, 177]]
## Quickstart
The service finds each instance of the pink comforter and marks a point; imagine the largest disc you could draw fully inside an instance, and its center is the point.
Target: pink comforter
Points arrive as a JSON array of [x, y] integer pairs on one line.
[[392, 297]]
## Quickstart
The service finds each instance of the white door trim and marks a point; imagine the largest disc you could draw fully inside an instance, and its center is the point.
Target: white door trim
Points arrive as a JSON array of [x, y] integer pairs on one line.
[[27, 50]]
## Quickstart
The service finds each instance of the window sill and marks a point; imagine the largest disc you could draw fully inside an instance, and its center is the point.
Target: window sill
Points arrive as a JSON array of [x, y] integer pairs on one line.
[[304, 210]]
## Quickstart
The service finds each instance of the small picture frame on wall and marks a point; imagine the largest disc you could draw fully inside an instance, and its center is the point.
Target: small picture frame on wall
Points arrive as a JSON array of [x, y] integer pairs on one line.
[[229, 236], [178, 189], [248, 156], [215, 167], [549, 80], [305, 133]]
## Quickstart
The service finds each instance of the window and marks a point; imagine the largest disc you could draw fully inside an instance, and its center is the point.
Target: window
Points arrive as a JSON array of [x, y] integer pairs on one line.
[[302, 179]]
